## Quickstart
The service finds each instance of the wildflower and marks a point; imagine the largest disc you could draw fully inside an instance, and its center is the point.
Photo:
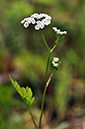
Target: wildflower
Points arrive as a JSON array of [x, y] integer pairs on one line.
[[46, 21], [40, 20], [26, 24], [55, 61], [35, 15], [40, 24], [58, 31]]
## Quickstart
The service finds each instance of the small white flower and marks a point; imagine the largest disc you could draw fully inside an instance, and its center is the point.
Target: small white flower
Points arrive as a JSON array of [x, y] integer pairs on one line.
[[47, 16], [34, 15], [46, 21], [33, 21], [37, 27], [58, 31], [40, 16], [55, 61], [40, 20], [54, 28], [22, 21], [26, 24], [55, 64], [40, 25], [64, 32]]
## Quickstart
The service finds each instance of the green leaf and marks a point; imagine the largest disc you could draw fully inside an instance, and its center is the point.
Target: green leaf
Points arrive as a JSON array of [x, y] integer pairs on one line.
[[25, 93], [32, 100]]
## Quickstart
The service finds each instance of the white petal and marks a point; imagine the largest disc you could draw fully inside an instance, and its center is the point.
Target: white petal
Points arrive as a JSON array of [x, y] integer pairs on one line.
[[56, 64], [42, 26], [38, 22], [22, 21], [55, 29], [33, 21], [26, 24], [40, 16], [65, 32], [35, 15], [47, 16], [37, 27], [46, 21], [55, 59]]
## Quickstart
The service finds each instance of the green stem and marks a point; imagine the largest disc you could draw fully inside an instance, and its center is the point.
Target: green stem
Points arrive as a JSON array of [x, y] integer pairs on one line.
[[32, 118], [45, 79], [31, 115], [45, 41], [47, 67], [44, 98], [47, 82], [44, 89], [56, 43]]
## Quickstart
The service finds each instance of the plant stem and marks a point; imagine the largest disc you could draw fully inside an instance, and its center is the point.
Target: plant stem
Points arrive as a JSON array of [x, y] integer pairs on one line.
[[47, 67], [44, 98], [56, 43], [45, 41], [32, 118], [31, 115], [44, 89], [47, 82]]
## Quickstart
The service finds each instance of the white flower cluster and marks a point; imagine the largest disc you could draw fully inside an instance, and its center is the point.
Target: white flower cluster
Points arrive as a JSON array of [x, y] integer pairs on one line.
[[55, 61], [39, 19], [58, 31]]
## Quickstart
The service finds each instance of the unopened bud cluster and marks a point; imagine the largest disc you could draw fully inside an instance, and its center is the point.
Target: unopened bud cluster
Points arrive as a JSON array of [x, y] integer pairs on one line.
[[40, 20]]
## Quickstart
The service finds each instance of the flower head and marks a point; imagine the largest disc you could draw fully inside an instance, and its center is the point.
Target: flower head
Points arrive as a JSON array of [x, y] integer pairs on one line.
[[40, 20], [58, 31]]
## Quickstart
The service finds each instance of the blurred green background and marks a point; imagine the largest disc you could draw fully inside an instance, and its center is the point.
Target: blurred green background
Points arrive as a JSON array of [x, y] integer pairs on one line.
[[23, 55]]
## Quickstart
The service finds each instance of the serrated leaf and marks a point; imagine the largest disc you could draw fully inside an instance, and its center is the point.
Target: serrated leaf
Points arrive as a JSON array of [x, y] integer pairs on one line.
[[25, 93]]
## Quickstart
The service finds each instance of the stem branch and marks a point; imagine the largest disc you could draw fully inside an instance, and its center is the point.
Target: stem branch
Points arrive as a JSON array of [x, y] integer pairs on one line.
[[56, 43], [45, 41]]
